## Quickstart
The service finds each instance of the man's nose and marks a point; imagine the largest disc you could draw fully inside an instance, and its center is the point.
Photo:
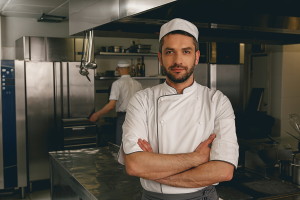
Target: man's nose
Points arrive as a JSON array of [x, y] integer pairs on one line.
[[178, 59]]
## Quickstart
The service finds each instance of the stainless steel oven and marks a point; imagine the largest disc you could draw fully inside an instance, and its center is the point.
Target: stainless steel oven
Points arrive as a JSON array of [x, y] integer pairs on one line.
[[79, 133]]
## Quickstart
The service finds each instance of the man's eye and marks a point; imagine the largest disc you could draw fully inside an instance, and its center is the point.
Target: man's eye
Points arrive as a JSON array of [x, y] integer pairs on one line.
[[169, 52], [187, 52]]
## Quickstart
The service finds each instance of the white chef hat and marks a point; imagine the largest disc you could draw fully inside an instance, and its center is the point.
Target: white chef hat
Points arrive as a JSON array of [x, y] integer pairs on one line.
[[123, 63], [178, 24]]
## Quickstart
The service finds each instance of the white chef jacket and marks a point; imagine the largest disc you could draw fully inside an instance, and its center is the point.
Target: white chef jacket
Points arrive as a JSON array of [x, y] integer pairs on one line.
[[122, 90], [177, 123]]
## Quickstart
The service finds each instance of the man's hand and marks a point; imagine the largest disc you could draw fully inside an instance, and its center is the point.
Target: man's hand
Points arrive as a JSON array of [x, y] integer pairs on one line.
[[203, 148], [94, 117], [145, 146]]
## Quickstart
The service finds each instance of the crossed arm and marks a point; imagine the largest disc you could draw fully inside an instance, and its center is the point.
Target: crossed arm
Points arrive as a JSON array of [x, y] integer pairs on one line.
[[180, 170]]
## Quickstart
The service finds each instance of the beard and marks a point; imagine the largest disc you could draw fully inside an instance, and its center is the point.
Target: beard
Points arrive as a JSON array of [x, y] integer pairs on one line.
[[183, 77]]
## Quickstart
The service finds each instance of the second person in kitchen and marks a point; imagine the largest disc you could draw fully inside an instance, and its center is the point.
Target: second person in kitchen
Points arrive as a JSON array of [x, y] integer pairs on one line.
[[121, 92]]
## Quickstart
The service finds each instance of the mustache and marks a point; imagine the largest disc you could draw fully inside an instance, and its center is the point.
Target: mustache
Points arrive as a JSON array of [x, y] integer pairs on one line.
[[177, 66]]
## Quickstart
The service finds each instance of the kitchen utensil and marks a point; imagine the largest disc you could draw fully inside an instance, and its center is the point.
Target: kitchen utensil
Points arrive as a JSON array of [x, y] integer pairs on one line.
[[91, 64], [294, 120], [86, 59]]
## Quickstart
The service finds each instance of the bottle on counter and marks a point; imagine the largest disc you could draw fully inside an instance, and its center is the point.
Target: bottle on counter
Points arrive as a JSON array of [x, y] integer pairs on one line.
[[142, 67], [138, 67], [132, 69]]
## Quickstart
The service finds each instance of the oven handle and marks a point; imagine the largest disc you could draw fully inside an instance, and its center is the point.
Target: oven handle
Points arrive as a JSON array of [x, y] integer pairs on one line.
[[78, 128]]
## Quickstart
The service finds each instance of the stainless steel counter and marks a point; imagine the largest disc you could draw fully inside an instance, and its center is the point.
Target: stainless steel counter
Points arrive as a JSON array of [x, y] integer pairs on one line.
[[94, 174], [91, 173]]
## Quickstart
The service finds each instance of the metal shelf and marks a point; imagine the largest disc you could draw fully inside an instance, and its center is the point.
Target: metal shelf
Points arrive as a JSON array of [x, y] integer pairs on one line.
[[138, 78], [125, 54]]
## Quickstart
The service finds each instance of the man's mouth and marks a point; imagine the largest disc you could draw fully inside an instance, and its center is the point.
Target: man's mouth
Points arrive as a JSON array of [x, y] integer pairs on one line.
[[177, 69]]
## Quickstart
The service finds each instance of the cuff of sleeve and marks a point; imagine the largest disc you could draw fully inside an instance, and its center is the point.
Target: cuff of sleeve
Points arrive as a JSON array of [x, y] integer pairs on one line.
[[225, 151]]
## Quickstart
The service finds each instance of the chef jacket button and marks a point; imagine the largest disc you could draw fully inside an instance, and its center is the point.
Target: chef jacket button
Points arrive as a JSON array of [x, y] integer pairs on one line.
[[162, 121]]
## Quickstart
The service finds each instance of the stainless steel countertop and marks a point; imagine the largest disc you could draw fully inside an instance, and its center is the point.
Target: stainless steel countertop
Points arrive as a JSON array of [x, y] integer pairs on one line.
[[97, 170]]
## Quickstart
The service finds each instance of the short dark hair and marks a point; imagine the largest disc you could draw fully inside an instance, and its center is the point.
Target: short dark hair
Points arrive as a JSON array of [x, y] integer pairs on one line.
[[181, 33]]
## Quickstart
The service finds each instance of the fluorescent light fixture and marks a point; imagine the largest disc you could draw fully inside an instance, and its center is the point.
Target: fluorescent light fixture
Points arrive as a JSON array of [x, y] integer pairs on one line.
[[51, 18]]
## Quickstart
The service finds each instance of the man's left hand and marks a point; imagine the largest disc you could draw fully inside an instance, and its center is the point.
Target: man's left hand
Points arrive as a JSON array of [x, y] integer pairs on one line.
[[145, 146]]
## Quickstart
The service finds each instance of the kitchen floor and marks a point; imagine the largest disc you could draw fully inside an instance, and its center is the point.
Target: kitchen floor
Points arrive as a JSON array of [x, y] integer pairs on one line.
[[36, 195]]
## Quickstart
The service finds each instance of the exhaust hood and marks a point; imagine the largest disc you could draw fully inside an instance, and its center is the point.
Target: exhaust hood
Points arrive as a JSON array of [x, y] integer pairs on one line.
[[247, 21]]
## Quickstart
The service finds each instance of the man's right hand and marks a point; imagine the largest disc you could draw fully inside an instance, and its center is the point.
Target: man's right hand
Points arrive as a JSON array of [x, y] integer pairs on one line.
[[93, 117]]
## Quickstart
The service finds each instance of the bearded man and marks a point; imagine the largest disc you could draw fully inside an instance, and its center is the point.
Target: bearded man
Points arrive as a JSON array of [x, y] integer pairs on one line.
[[179, 137]]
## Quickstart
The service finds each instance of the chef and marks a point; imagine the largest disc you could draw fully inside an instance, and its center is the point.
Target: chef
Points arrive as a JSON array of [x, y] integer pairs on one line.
[[121, 92], [179, 137]]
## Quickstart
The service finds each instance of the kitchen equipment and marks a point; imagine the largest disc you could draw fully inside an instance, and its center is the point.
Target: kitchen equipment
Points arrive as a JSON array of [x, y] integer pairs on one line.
[[12, 143], [294, 121], [296, 169], [285, 167], [79, 133], [48, 92], [115, 49], [87, 51]]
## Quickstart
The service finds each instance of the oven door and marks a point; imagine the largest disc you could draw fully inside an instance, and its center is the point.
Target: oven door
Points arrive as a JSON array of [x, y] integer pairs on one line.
[[79, 134]]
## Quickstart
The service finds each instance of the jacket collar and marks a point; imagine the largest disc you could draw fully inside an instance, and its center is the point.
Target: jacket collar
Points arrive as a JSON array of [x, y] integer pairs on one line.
[[171, 90]]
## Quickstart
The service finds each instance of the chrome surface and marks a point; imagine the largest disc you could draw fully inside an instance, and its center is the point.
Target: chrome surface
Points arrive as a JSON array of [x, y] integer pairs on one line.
[[126, 54], [245, 22], [81, 91], [229, 81], [132, 7], [40, 116], [59, 49], [1, 142], [93, 174], [22, 48], [84, 15], [65, 91], [21, 123], [201, 74], [213, 76], [31, 48], [37, 48]]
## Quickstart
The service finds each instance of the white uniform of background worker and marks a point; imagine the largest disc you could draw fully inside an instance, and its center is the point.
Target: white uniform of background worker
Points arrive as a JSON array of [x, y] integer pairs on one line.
[[179, 136], [121, 92]]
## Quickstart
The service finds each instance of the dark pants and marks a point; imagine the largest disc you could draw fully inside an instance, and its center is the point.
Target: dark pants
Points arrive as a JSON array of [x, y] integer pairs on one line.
[[208, 193], [119, 131]]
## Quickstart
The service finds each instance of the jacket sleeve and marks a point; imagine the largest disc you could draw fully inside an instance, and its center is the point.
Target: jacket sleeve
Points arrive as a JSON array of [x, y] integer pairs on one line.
[[134, 126], [225, 147]]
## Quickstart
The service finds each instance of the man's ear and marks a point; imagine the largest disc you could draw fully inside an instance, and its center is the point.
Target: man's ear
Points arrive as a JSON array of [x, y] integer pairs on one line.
[[159, 56], [197, 57]]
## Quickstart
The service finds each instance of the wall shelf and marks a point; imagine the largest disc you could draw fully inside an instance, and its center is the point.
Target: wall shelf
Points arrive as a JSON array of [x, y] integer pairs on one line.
[[138, 78], [125, 54]]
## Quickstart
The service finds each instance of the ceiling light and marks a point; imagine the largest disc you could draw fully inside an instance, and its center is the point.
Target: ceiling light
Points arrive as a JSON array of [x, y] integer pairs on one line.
[[51, 18]]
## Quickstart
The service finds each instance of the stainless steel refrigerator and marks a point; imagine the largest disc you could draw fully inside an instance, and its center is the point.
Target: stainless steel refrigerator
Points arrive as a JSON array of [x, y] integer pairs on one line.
[[228, 78], [48, 91]]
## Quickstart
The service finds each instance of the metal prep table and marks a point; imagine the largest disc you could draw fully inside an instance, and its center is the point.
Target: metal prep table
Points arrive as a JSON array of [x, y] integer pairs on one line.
[[91, 174], [95, 174]]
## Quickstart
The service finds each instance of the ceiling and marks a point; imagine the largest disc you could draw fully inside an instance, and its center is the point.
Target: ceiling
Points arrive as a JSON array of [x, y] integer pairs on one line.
[[268, 21], [249, 21], [34, 8]]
